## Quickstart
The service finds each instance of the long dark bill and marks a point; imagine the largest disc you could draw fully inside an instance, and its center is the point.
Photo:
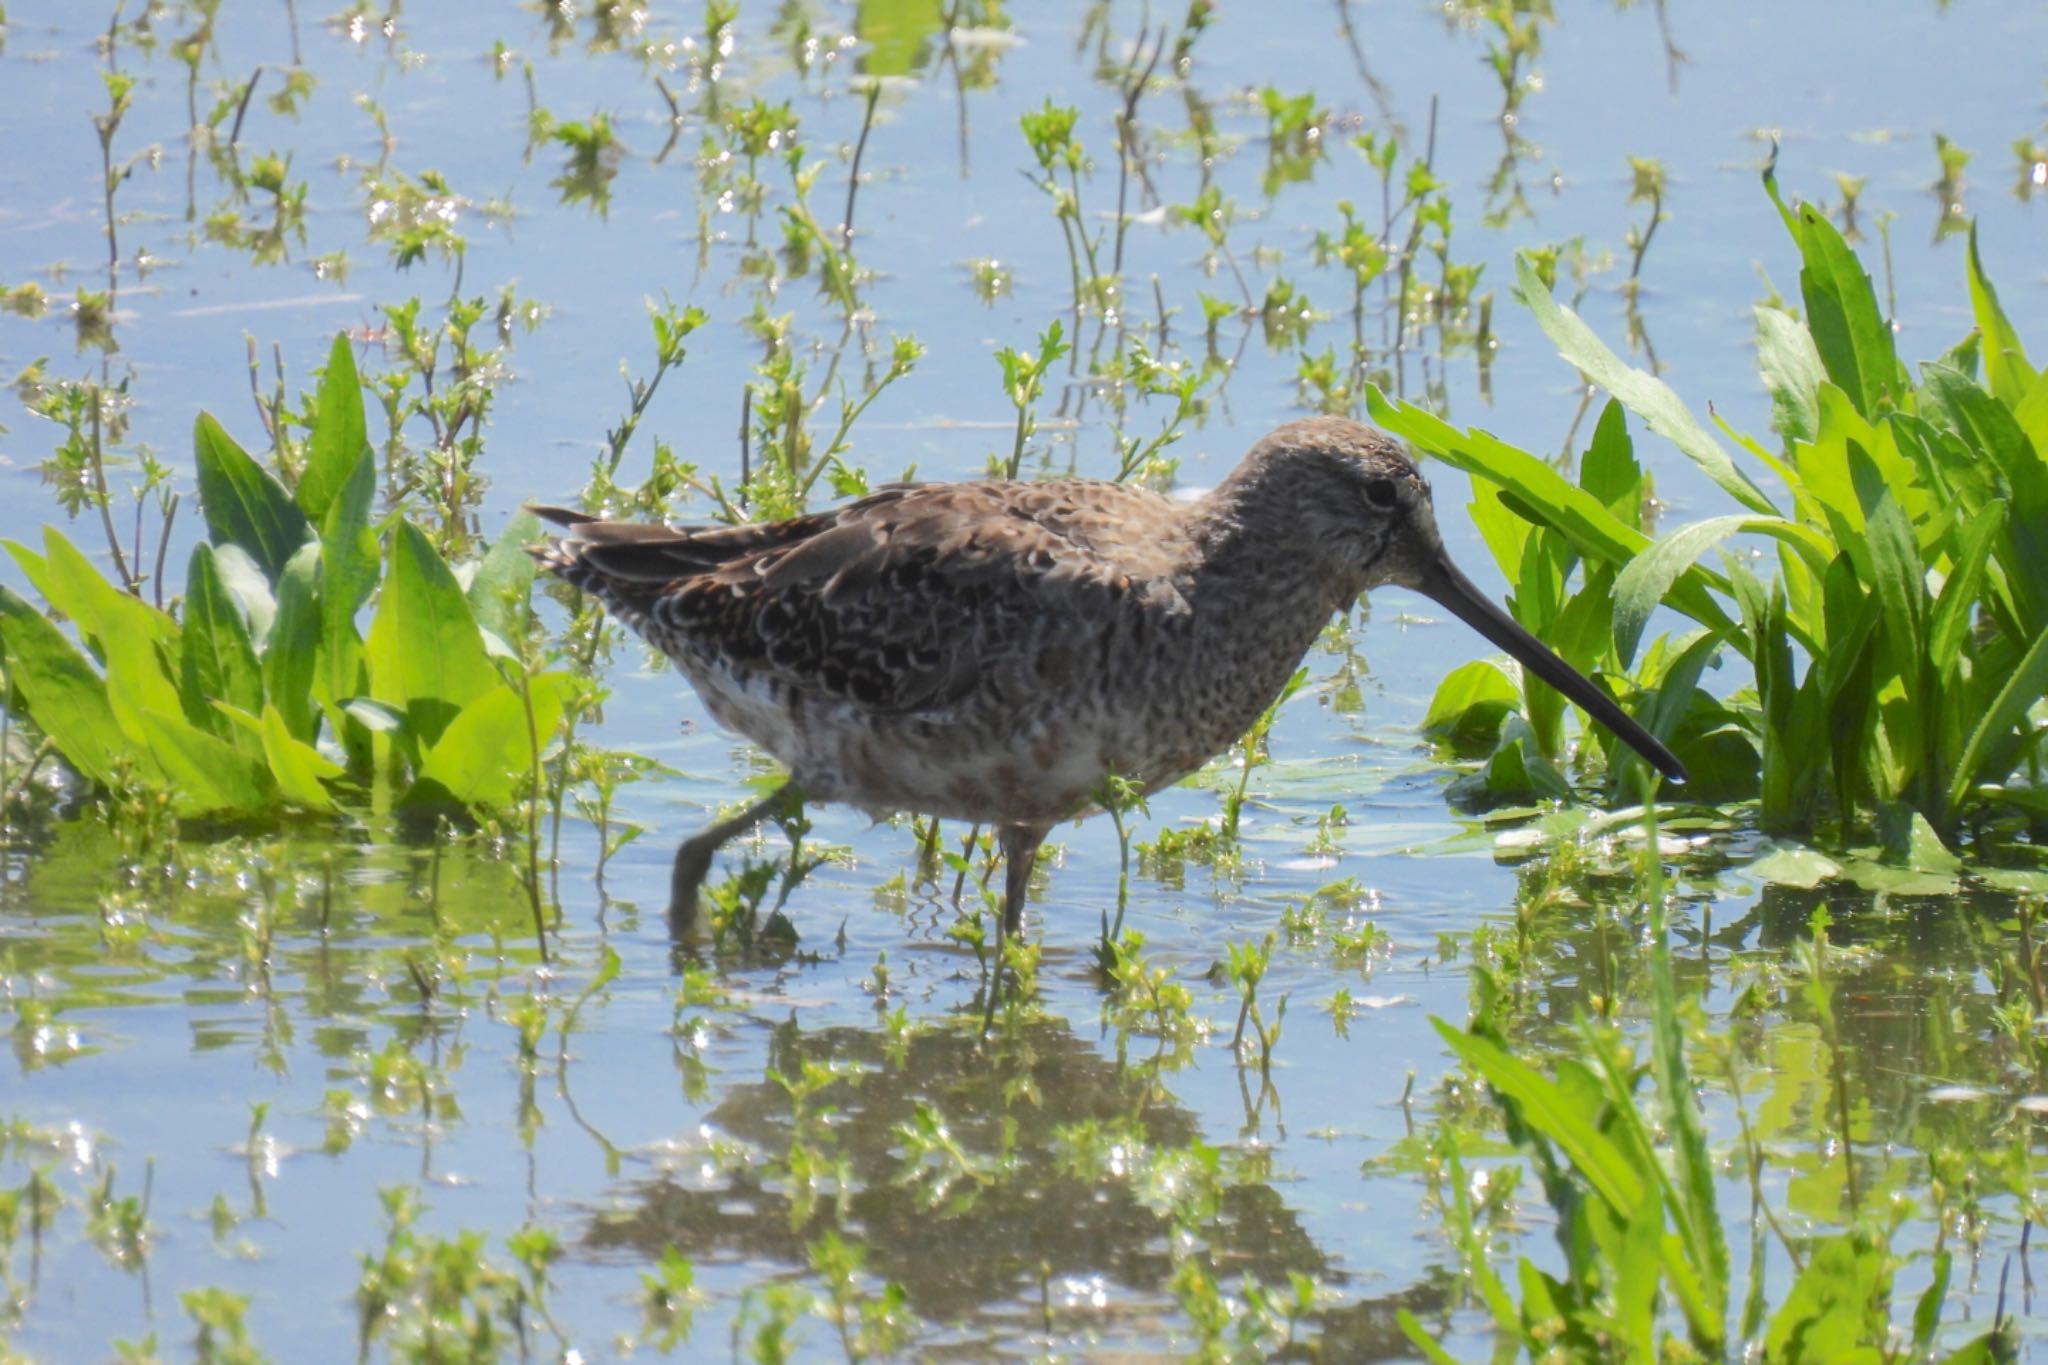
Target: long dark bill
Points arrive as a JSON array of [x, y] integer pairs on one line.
[[1443, 582]]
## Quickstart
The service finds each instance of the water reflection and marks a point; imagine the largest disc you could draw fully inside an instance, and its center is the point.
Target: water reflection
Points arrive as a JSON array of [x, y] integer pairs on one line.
[[1025, 1187]]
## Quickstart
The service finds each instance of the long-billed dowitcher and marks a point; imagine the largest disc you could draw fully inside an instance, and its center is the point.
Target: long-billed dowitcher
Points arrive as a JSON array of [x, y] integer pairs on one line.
[[992, 651]]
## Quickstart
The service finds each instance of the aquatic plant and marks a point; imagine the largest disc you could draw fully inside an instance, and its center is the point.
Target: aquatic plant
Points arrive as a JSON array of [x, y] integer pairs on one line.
[[263, 693], [1898, 652]]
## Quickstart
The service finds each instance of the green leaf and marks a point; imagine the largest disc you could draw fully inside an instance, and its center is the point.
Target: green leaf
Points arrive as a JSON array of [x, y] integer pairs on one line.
[[1420, 1339], [348, 574], [2005, 360], [243, 577], [2026, 685], [1791, 371], [1636, 1278], [1644, 580], [486, 754], [1608, 470], [291, 654], [66, 699], [424, 652], [204, 775], [1948, 627], [74, 585], [1647, 396], [296, 766], [218, 662], [1544, 1107], [1835, 1310], [1852, 337], [243, 504], [339, 441], [498, 592], [1991, 431], [1471, 702]]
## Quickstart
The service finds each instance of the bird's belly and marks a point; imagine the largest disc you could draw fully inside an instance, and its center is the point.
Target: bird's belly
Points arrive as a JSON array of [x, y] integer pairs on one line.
[[992, 765]]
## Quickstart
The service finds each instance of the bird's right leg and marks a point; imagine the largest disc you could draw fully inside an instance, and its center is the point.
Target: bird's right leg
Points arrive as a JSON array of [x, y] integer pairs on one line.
[[1020, 854], [693, 856]]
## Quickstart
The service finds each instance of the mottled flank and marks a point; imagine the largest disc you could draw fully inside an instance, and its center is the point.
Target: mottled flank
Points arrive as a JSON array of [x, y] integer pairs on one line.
[[991, 651]]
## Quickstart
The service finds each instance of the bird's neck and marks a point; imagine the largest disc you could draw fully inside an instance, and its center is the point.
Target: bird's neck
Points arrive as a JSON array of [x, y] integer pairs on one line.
[[1267, 592]]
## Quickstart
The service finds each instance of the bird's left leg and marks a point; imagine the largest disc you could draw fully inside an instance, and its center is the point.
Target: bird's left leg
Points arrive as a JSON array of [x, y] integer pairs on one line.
[[693, 857]]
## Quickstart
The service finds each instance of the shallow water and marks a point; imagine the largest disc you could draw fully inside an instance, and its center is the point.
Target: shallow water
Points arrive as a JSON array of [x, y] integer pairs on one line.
[[289, 1024]]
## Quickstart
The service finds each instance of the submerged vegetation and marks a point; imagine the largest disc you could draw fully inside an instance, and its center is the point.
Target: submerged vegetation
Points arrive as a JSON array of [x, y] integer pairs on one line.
[[1763, 1054]]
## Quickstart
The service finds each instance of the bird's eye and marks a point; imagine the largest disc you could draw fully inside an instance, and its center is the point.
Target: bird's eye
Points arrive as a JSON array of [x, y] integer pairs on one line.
[[1380, 493]]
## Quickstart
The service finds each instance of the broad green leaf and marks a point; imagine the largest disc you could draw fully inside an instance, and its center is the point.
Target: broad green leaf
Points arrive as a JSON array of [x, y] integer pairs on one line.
[[243, 504], [2005, 360], [291, 654], [486, 755], [66, 698], [218, 662], [1608, 470], [1835, 1310], [1791, 371], [74, 585], [297, 767], [2027, 684], [1647, 396], [204, 775], [339, 441], [1990, 430], [1471, 702], [1644, 580], [243, 577], [1852, 337], [1928, 1310], [424, 653], [498, 592]]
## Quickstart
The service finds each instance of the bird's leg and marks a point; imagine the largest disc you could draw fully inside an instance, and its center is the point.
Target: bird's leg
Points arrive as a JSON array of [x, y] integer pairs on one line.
[[1020, 854], [693, 856]]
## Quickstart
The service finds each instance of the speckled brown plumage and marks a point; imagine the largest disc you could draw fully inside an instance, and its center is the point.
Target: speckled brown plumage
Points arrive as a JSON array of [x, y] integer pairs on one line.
[[991, 651]]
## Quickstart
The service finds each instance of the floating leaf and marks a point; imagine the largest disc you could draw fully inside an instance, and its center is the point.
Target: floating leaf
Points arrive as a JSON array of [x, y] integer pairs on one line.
[[1793, 865]]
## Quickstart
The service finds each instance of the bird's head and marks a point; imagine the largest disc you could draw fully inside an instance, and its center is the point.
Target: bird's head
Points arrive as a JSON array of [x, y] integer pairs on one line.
[[1349, 500]]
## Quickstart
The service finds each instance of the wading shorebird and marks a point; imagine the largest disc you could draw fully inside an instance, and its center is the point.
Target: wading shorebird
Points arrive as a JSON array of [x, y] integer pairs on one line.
[[993, 651]]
